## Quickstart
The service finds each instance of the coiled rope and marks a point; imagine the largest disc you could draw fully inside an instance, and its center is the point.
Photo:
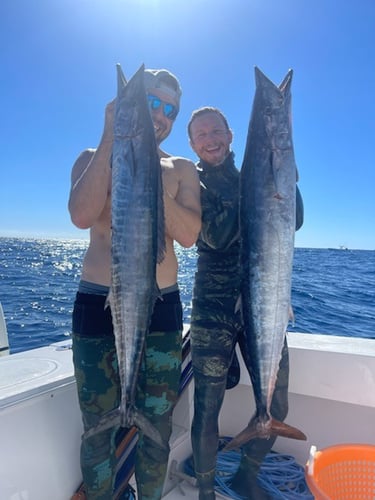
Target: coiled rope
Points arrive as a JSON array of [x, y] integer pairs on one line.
[[283, 478], [280, 475]]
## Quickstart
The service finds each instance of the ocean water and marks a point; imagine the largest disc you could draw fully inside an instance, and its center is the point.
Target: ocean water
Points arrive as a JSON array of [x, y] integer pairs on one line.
[[333, 291]]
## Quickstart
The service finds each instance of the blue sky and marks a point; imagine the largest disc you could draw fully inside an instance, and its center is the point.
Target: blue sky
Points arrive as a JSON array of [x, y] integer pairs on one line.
[[58, 62]]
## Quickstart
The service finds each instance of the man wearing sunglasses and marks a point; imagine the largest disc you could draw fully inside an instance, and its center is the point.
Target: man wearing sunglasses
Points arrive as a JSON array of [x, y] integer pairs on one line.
[[94, 353]]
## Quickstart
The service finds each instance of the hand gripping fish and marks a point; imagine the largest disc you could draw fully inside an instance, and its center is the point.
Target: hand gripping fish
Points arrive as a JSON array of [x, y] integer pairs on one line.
[[138, 242], [267, 225]]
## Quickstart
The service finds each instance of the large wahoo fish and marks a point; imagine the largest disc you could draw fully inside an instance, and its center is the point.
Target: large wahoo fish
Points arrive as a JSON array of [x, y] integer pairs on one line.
[[138, 241], [267, 220]]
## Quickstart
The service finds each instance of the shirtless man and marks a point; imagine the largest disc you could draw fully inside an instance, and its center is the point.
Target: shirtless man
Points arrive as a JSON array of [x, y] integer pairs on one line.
[[94, 353]]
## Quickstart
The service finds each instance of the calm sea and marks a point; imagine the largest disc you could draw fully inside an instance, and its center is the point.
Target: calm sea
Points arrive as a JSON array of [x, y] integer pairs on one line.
[[333, 290]]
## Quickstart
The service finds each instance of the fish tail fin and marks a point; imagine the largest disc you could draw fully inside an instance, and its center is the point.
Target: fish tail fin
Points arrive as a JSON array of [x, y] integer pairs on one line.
[[135, 417], [257, 430], [110, 419], [282, 429], [148, 429], [250, 432]]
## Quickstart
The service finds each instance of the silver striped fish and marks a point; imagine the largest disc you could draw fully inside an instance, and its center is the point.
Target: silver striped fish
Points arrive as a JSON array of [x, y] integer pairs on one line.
[[138, 241], [267, 220]]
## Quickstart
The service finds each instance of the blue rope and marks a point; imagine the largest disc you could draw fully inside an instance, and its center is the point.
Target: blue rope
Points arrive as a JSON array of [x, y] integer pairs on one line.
[[280, 475], [283, 478]]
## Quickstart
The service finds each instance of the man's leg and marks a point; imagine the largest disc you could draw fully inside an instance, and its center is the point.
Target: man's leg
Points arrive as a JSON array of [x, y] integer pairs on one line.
[[212, 344], [158, 385], [98, 386], [98, 390]]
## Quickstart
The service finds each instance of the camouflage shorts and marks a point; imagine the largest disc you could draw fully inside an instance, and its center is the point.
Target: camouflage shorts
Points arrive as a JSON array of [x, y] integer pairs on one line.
[[99, 391]]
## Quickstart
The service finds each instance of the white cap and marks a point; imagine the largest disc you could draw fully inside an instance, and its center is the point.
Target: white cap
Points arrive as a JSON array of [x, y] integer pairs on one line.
[[164, 80]]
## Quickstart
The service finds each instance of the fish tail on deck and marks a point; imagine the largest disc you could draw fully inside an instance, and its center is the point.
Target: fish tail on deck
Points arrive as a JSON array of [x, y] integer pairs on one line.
[[285, 430], [255, 430]]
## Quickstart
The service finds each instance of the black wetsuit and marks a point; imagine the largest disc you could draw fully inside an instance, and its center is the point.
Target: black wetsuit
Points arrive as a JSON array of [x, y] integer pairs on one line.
[[215, 324]]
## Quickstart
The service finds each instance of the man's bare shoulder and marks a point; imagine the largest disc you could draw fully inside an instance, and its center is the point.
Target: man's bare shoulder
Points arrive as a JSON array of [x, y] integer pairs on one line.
[[82, 161], [86, 155], [177, 162]]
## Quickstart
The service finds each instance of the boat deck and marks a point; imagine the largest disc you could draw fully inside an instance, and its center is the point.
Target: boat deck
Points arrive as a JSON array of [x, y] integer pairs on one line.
[[331, 399]]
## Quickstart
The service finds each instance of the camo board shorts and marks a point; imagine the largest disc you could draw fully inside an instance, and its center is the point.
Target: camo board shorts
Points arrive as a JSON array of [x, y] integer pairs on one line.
[[99, 391]]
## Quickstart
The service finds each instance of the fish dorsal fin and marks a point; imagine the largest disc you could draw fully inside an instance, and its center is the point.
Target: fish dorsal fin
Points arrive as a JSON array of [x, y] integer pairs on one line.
[[161, 248], [161, 224]]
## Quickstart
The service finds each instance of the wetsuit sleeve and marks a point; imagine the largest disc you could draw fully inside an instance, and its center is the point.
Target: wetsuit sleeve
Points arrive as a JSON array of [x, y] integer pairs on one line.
[[220, 220], [299, 209]]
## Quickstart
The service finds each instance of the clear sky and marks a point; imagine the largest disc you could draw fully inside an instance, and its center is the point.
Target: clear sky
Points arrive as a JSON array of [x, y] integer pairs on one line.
[[58, 71]]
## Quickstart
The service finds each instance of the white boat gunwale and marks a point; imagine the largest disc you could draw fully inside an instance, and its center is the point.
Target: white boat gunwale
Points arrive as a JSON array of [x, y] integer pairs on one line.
[[331, 398]]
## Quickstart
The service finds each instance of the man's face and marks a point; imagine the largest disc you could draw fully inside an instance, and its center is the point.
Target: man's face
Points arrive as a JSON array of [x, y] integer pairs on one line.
[[210, 138], [161, 105]]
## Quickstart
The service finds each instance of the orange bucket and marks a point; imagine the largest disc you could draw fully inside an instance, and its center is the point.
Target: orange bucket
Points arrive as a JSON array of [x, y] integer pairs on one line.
[[342, 472]]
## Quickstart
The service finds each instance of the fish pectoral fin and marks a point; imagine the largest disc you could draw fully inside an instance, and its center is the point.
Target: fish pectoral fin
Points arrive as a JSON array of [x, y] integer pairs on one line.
[[148, 429], [238, 306], [282, 429], [108, 299], [291, 315]]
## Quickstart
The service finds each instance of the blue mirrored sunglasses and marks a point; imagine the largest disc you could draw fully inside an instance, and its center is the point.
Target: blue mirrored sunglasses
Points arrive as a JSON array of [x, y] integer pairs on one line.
[[169, 110]]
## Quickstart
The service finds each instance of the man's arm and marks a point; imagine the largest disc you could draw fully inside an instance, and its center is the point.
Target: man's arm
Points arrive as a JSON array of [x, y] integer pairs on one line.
[[182, 202], [91, 177]]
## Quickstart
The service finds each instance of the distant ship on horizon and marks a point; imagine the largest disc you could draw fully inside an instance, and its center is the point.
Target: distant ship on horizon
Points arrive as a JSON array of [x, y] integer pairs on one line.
[[341, 247]]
